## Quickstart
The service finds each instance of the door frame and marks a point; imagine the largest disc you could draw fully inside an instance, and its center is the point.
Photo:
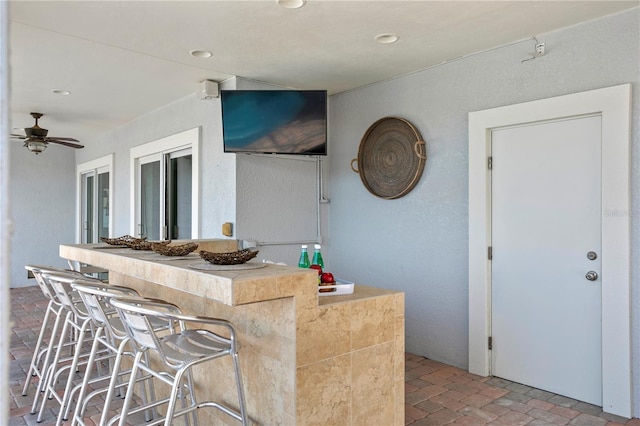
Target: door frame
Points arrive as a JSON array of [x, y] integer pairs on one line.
[[188, 139], [105, 162], [613, 104]]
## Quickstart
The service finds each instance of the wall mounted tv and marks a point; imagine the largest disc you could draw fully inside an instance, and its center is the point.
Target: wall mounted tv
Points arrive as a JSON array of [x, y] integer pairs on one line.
[[275, 121]]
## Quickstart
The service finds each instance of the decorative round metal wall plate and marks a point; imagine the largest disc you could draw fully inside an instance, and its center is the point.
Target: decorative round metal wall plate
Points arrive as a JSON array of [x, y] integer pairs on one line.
[[391, 158]]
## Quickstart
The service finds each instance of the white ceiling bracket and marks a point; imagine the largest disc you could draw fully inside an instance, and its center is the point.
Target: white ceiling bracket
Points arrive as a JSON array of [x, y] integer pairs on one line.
[[540, 50]]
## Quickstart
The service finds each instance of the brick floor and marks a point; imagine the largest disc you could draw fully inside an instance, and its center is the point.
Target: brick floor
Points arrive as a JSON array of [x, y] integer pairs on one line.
[[451, 396], [435, 393]]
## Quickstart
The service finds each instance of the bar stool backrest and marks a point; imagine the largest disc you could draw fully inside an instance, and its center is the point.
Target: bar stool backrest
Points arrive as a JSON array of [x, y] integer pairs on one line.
[[44, 285], [137, 316], [96, 298], [60, 282]]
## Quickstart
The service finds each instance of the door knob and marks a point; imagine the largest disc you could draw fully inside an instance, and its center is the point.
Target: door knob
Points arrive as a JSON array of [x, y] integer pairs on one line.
[[591, 275]]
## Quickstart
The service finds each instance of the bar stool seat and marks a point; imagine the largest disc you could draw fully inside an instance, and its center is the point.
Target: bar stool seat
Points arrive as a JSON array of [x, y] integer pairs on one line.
[[178, 352]]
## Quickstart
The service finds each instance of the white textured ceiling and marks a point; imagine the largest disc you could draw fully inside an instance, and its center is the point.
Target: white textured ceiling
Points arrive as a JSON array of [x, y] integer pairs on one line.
[[123, 59]]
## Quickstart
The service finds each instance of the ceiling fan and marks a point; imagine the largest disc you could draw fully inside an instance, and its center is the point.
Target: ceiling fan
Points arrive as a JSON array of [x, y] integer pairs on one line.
[[36, 138]]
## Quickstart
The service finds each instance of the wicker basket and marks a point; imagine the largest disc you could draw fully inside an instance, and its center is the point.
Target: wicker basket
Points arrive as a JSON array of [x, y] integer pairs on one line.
[[125, 240], [391, 158], [177, 250], [143, 244], [232, 258]]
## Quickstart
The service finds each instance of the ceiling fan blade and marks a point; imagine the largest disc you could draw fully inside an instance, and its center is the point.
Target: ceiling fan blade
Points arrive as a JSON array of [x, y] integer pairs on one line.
[[62, 139], [65, 143], [18, 136]]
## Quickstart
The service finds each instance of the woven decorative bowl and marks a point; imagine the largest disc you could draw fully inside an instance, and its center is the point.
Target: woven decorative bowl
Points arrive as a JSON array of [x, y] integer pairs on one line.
[[143, 244], [232, 258], [177, 250], [125, 240]]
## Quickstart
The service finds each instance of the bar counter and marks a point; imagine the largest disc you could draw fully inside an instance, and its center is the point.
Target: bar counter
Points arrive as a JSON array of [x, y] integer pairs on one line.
[[305, 359]]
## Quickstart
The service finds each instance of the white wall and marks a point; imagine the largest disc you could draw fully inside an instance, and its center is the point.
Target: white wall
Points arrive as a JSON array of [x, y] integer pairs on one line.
[[276, 204], [42, 204], [418, 243]]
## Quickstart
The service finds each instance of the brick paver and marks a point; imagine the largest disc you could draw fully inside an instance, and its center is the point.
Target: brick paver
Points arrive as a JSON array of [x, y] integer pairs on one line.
[[456, 397]]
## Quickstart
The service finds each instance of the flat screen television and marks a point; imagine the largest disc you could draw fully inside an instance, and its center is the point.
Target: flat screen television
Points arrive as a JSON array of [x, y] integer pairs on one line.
[[274, 121]]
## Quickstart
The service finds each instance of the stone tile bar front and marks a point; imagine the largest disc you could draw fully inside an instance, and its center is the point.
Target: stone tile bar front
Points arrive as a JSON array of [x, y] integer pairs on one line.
[[306, 360]]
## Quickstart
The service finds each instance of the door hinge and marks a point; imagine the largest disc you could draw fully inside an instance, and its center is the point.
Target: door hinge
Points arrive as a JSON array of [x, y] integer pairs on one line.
[[490, 343], [490, 253], [490, 163]]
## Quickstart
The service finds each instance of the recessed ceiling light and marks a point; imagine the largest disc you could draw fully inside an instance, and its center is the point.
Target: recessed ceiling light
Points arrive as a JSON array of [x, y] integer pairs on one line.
[[61, 92], [201, 53], [290, 4], [386, 38]]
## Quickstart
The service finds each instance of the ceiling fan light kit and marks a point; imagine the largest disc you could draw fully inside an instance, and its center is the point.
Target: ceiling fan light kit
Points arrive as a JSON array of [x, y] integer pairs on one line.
[[35, 146], [36, 139]]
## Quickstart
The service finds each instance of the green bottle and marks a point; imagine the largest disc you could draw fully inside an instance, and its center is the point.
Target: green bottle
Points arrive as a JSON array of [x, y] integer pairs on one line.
[[304, 258], [317, 256]]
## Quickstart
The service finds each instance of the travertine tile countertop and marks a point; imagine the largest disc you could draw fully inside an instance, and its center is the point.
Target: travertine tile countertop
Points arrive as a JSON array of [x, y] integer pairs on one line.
[[306, 359]]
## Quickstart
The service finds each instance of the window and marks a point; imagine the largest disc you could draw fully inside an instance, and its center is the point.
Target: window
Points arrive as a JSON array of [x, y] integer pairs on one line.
[[94, 182], [165, 187]]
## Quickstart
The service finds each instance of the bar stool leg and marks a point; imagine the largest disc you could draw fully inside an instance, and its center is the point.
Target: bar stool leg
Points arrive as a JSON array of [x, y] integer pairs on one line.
[[191, 385], [79, 411], [36, 351], [241, 400], [147, 389], [46, 366], [177, 386], [129, 395], [65, 402], [64, 413]]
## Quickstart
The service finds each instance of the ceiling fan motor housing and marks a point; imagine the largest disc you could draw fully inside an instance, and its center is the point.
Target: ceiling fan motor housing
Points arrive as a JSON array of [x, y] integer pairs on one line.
[[36, 132]]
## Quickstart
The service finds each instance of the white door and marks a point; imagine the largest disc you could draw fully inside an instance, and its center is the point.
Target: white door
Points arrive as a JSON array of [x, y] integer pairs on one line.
[[546, 219]]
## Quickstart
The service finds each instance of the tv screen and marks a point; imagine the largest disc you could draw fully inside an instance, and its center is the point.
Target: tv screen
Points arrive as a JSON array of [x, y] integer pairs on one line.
[[275, 121]]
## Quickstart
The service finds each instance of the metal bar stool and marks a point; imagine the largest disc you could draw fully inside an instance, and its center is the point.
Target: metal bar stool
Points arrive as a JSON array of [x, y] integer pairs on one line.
[[178, 353], [77, 323], [110, 334], [53, 315]]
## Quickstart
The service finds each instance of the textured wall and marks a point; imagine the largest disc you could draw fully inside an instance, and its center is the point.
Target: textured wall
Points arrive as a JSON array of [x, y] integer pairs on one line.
[[419, 243], [276, 199], [42, 203], [276, 203]]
